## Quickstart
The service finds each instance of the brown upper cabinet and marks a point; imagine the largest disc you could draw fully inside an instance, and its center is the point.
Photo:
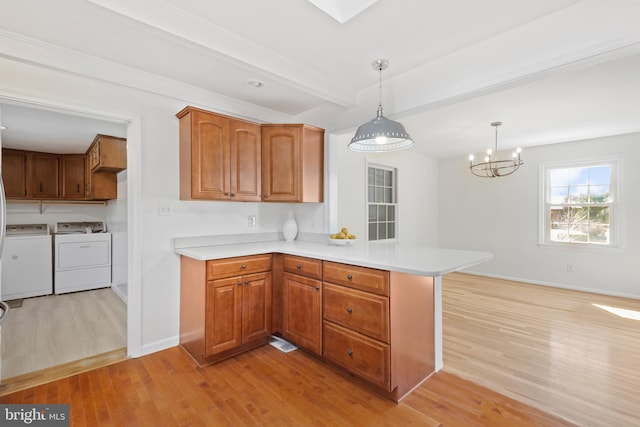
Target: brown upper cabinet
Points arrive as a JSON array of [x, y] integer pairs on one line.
[[29, 175], [15, 173], [73, 176], [107, 154], [224, 158], [219, 157], [45, 173], [292, 163]]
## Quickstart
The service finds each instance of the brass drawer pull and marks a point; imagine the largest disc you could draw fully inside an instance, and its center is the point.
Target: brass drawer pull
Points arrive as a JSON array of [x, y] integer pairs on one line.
[[349, 310], [243, 266], [299, 266], [350, 353], [349, 276]]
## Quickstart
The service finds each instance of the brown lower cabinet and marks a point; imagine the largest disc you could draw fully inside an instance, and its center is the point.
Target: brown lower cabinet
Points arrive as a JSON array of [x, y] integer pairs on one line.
[[374, 325], [225, 306]]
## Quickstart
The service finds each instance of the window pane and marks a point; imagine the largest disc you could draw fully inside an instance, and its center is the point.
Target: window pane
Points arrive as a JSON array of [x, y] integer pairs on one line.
[[600, 175], [391, 213], [559, 177], [373, 213], [371, 175], [382, 230], [372, 231], [388, 195], [391, 230], [599, 194], [371, 194], [559, 194], [379, 177], [599, 234], [599, 215], [382, 213], [379, 195], [578, 176], [388, 178]]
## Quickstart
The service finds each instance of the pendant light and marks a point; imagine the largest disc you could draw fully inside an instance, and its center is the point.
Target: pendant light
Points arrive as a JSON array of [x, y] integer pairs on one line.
[[380, 134]]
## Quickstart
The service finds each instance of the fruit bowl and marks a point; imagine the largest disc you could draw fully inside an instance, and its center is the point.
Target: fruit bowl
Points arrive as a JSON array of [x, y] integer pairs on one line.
[[342, 242]]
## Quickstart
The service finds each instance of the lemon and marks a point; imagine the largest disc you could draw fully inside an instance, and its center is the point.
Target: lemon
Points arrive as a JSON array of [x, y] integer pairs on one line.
[[345, 230]]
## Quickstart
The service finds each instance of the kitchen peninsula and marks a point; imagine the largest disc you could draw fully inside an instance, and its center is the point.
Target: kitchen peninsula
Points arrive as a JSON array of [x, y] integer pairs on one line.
[[372, 310]]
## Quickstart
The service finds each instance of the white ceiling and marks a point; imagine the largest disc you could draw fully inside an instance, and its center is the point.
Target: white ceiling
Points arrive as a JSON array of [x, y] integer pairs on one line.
[[550, 70]]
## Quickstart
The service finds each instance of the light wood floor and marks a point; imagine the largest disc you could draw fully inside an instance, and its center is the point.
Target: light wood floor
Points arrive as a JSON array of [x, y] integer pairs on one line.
[[548, 347], [56, 329], [265, 387]]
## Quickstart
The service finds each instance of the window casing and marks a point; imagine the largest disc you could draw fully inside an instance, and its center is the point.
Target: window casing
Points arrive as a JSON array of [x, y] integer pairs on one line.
[[579, 204], [382, 208]]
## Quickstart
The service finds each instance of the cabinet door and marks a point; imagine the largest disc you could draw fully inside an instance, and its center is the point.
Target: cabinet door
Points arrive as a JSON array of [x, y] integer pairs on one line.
[[14, 173], [73, 177], [210, 157], [302, 311], [245, 164], [223, 311], [256, 306], [46, 170], [281, 163]]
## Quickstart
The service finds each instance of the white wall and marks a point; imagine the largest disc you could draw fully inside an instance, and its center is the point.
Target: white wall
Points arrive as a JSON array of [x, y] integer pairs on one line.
[[501, 216], [159, 167], [417, 192]]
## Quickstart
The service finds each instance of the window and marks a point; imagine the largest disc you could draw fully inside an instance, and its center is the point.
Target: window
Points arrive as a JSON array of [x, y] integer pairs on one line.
[[381, 202], [579, 203]]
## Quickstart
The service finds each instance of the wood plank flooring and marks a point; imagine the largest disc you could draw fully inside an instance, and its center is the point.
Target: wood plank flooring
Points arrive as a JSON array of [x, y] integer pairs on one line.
[[57, 329], [505, 343], [266, 387], [548, 347]]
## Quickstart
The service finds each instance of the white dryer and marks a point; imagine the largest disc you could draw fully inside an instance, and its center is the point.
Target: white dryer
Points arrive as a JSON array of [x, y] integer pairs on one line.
[[82, 257], [26, 262]]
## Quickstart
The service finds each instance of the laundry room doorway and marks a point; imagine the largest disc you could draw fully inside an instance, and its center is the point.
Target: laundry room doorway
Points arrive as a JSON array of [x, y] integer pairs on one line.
[[50, 330]]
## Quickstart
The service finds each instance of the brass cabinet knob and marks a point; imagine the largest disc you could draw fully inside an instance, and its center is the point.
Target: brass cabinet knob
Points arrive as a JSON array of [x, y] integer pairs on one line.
[[350, 353], [349, 310], [349, 276], [299, 266], [243, 266], [317, 288]]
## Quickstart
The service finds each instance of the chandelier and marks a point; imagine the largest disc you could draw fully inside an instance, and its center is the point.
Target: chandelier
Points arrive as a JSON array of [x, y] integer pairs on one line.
[[380, 134], [492, 167]]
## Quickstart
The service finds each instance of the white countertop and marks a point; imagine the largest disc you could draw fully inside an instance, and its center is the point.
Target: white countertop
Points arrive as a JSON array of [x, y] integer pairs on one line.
[[401, 257]]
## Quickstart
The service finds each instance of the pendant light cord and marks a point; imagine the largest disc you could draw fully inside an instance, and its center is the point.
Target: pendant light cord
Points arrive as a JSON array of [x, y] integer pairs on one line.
[[380, 90]]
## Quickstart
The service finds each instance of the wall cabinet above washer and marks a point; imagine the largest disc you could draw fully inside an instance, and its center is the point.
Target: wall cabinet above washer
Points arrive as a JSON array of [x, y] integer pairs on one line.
[[107, 154]]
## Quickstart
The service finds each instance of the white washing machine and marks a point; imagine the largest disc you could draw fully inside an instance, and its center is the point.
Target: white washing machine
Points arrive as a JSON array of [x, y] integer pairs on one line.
[[26, 262], [82, 257]]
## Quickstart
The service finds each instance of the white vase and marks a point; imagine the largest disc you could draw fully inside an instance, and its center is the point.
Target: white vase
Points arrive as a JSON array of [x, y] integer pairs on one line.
[[290, 228]]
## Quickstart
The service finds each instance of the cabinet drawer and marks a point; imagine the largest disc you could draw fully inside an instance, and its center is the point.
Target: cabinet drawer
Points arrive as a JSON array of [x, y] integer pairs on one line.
[[361, 355], [361, 311], [304, 266], [226, 267], [363, 278]]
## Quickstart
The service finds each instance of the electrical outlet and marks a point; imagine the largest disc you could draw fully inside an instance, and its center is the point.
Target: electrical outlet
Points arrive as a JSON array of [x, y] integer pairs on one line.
[[251, 220], [165, 209]]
